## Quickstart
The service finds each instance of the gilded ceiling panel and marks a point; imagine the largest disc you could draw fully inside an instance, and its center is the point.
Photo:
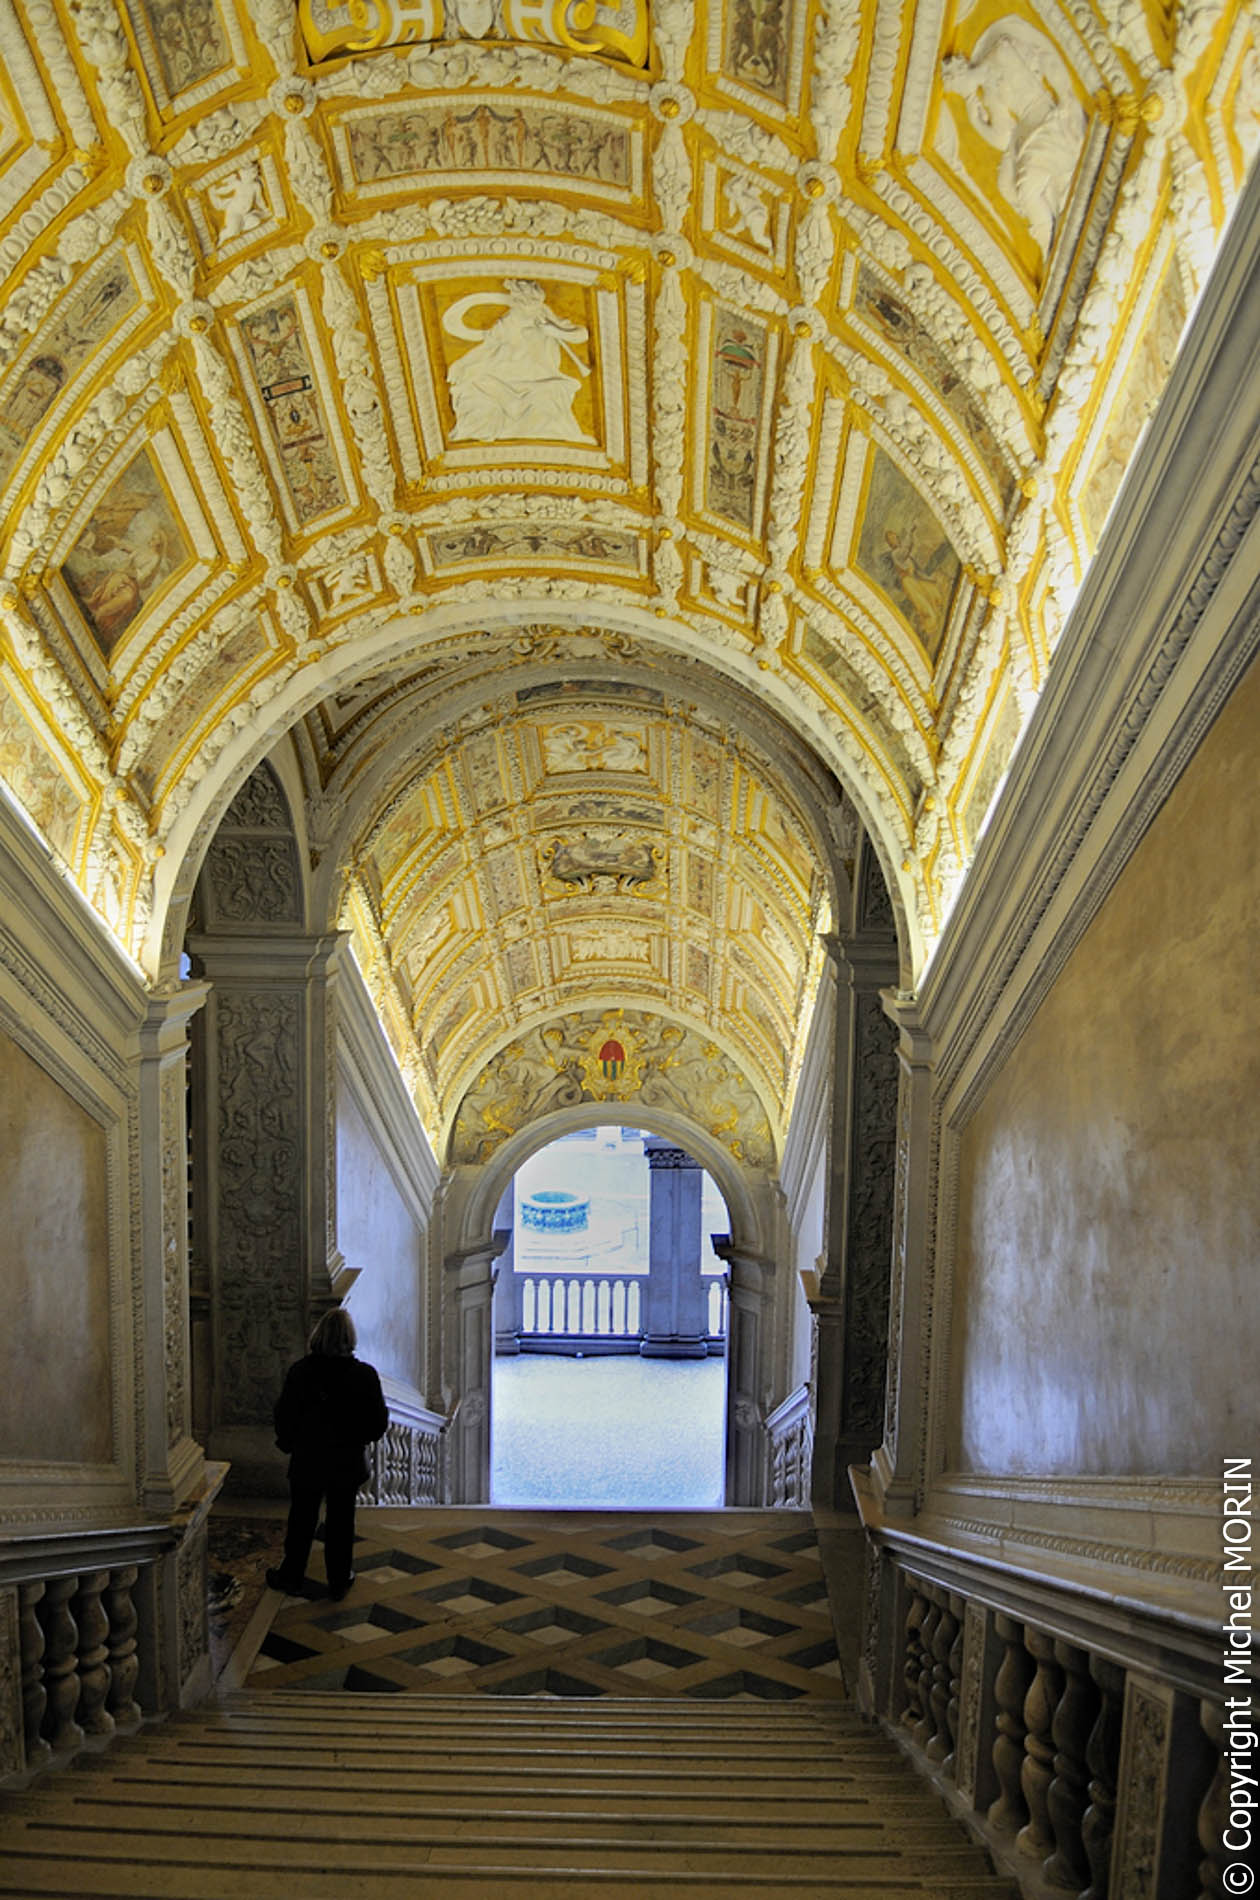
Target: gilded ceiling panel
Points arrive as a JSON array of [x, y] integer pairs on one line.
[[801, 342]]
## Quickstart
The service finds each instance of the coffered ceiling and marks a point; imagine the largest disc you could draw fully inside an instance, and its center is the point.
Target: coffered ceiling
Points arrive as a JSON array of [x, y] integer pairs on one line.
[[801, 346]]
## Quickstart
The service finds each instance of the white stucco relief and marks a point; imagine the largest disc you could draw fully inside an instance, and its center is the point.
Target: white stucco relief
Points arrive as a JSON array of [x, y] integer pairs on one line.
[[515, 382], [1019, 98]]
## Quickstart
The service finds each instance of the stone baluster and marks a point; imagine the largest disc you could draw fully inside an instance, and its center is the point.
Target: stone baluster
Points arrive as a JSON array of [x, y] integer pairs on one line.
[[61, 1663], [913, 1670], [925, 1728], [124, 1659], [1070, 1730], [34, 1694], [957, 1610], [1102, 1758], [1010, 1811], [942, 1743], [1214, 1809], [94, 1717], [1035, 1838]]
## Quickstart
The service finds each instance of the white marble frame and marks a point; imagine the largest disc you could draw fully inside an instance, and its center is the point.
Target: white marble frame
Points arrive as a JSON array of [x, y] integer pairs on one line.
[[69, 1000], [606, 334]]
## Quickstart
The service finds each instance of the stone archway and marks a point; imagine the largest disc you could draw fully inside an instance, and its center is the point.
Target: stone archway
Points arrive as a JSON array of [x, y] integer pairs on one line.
[[471, 1196]]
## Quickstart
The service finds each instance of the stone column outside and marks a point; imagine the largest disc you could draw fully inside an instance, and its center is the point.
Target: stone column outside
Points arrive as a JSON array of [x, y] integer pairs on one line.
[[675, 1318]]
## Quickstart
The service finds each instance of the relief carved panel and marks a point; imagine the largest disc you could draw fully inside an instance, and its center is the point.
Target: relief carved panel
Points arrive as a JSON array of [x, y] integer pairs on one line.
[[260, 1198], [870, 1215]]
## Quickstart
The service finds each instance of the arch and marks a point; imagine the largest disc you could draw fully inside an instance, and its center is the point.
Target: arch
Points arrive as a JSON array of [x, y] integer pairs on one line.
[[882, 814], [471, 1195], [476, 1227]]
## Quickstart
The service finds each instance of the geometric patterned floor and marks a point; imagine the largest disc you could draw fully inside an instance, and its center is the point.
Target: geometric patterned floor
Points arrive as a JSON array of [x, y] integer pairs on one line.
[[711, 1604]]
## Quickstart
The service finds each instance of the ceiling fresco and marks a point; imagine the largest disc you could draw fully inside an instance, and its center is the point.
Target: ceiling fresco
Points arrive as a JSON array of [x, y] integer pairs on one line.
[[803, 347], [571, 842]]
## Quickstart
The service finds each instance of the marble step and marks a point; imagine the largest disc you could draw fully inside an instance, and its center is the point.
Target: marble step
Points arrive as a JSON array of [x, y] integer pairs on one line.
[[27, 1878], [376, 1797], [262, 1815], [461, 1791], [322, 1842]]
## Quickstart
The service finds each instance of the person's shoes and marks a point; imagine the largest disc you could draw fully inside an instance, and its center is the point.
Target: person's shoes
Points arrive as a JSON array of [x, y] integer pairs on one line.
[[337, 1590], [281, 1580]]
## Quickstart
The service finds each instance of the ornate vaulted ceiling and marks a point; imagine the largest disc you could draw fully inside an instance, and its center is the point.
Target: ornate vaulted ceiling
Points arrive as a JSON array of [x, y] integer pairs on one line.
[[799, 343]]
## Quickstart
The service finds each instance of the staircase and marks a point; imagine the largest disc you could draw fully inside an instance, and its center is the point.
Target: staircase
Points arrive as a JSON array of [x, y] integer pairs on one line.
[[309, 1796]]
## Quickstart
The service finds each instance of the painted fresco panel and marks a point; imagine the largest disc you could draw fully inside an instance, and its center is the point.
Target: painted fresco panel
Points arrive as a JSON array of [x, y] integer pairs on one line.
[[1143, 386], [189, 40], [904, 550], [130, 548], [531, 541], [899, 326], [737, 386], [230, 659], [88, 320], [755, 45], [26, 768], [286, 382], [486, 133]]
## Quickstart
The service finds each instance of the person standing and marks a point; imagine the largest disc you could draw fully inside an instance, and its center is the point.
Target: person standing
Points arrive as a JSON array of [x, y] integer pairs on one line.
[[330, 1409]]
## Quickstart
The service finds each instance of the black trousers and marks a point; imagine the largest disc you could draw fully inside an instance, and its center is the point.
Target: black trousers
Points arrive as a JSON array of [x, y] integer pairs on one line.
[[334, 1486]]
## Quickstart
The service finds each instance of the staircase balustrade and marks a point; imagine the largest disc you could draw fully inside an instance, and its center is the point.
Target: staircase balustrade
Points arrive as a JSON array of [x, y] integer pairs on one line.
[[98, 1622], [406, 1466], [1103, 1789], [79, 1661], [790, 1446]]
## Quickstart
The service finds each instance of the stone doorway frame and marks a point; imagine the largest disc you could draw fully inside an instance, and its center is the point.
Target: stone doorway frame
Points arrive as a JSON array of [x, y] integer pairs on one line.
[[470, 1197]]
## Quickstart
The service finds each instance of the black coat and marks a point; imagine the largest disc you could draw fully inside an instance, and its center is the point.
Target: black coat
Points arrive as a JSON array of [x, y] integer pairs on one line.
[[330, 1408]]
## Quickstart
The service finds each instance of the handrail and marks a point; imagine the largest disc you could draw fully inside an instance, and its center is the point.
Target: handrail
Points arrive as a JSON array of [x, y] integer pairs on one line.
[[1131, 1630], [27, 1555]]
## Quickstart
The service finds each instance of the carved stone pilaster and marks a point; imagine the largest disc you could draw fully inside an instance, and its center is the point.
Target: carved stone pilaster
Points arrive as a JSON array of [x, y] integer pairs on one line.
[[174, 1464], [747, 1374], [170, 1601], [897, 1466], [1165, 1768], [263, 1164], [854, 1286], [977, 1708], [12, 1721], [470, 1282]]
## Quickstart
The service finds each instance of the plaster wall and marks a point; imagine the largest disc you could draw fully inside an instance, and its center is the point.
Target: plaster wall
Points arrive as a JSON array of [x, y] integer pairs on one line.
[[53, 1190], [1109, 1182], [378, 1235]]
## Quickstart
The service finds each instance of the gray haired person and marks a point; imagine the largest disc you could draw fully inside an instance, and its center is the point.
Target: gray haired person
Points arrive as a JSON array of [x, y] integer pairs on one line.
[[330, 1410]]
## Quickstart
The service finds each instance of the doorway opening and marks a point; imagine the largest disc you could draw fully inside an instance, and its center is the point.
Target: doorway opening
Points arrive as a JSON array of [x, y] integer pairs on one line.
[[610, 1319]]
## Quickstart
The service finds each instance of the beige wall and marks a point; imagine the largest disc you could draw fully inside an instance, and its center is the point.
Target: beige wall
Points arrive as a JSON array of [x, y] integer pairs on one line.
[[377, 1234], [1109, 1194], [55, 1400]]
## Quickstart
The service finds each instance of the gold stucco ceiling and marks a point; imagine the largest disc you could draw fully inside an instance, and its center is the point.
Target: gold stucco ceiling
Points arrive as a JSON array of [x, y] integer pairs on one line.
[[803, 345]]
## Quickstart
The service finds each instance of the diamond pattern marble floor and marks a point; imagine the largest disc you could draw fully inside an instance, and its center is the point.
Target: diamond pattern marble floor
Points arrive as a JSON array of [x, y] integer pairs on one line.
[[708, 1605]]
